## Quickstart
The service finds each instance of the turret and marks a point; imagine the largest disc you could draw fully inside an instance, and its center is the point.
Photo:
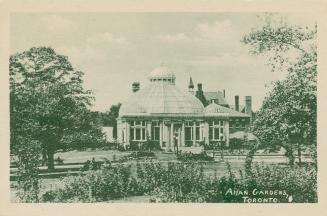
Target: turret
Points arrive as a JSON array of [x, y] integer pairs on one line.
[[191, 85]]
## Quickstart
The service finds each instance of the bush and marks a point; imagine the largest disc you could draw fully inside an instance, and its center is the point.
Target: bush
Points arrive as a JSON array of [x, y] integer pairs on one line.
[[188, 156], [298, 183], [137, 155], [93, 186], [121, 148], [214, 145], [235, 143], [181, 183], [186, 182], [91, 165]]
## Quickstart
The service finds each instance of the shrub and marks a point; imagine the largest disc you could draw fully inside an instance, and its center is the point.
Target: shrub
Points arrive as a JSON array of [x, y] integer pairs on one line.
[[298, 182], [214, 145], [151, 175], [151, 145], [121, 148], [186, 182], [189, 156], [93, 186], [188, 143], [137, 155], [134, 146], [91, 165], [235, 143], [140, 154], [179, 182], [28, 182]]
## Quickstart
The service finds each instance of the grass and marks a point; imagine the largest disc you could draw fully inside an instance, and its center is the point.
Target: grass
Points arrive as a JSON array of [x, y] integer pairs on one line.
[[82, 156]]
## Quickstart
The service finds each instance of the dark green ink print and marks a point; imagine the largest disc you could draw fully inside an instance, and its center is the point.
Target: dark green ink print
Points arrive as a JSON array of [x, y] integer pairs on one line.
[[130, 128]]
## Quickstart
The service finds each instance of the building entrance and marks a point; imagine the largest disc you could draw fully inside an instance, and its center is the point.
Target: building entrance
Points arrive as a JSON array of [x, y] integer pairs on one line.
[[177, 135]]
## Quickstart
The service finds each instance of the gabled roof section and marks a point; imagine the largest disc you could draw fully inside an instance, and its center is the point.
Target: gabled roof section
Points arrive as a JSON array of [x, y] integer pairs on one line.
[[216, 110], [216, 96]]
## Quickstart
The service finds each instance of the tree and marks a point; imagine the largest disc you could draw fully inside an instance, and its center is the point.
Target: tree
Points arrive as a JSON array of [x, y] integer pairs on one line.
[[47, 94], [288, 116]]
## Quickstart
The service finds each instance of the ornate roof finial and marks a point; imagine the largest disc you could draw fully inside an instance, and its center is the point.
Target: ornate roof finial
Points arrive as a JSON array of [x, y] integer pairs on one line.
[[191, 85]]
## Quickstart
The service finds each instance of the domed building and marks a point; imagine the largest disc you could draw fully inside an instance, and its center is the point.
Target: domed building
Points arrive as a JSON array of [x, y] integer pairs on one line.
[[163, 113]]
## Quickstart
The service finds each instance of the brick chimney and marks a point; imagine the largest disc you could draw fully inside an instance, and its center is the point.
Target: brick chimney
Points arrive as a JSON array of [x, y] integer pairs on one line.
[[135, 86], [237, 103], [248, 105], [200, 87], [199, 94]]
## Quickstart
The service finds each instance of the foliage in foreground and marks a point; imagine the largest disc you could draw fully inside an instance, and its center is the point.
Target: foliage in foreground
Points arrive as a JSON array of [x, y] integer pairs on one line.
[[93, 186], [298, 183], [186, 182], [27, 175], [189, 156]]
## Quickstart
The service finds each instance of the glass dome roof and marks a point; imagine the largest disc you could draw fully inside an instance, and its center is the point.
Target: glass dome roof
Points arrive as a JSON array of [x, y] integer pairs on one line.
[[161, 98]]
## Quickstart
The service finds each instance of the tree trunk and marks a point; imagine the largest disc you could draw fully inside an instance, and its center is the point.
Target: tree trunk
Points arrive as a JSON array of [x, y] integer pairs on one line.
[[44, 157], [299, 152], [50, 154], [289, 154]]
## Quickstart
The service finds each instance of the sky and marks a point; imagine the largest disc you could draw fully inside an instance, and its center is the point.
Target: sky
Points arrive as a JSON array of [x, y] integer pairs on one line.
[[116, 49]]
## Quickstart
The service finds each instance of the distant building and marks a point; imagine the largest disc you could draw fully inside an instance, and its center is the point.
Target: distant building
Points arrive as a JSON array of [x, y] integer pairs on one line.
[[108, 132], [162, 112]]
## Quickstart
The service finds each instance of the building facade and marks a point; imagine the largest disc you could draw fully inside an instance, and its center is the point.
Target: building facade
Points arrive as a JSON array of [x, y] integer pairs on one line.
[[163, 113]]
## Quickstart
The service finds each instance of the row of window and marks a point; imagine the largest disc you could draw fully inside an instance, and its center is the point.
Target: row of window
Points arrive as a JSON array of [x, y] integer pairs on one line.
[[162, 79], [192, 130], [189, 131]]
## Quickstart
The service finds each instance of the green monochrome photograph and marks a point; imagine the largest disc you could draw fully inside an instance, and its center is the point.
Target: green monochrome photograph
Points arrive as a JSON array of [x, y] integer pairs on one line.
[[163, 107]]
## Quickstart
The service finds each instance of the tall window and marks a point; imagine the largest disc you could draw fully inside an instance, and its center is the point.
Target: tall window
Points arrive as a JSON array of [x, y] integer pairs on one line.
[[137, 131], [155, 131], [216, 130], [197, 131], [188, 131]]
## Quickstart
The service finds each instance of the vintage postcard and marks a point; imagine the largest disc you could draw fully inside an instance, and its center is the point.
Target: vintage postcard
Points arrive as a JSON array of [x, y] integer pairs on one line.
[[146, 108]]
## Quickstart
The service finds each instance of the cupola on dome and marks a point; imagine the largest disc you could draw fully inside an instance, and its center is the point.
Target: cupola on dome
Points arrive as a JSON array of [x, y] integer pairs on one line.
[[162, 74]]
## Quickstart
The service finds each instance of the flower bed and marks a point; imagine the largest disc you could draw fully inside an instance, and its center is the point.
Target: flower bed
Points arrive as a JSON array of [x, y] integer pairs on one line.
[[189, 156]]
